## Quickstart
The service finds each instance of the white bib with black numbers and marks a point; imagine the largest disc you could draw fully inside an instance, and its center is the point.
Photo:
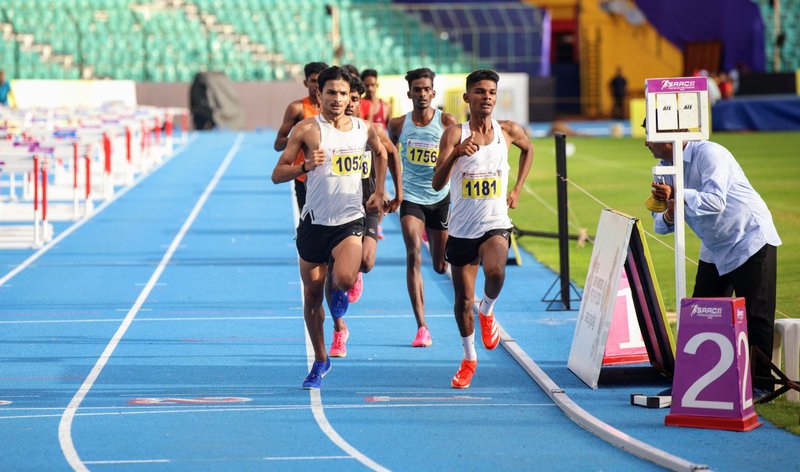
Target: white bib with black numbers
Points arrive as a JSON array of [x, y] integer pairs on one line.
[[478, 188], [333, 190]]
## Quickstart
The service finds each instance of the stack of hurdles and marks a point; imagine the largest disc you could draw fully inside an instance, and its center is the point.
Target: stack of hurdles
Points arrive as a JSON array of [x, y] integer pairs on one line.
[[56, 164]]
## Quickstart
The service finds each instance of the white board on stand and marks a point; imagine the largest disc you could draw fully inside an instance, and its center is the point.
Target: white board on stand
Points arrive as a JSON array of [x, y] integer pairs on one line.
[[600, 295]]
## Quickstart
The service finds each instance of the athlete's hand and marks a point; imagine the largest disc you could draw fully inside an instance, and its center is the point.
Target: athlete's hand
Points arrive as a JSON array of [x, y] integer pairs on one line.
[[390, 206], [375, 203], [513, 198], [468, 147], [316, 159]]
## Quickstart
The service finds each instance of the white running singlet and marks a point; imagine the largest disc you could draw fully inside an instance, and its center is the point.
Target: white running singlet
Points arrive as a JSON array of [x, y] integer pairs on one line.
[[334, 189], [478, 188]]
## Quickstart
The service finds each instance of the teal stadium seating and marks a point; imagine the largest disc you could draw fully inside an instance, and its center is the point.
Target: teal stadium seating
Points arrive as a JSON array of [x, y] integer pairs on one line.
[[790, 25], [166, 41], [170, 40]]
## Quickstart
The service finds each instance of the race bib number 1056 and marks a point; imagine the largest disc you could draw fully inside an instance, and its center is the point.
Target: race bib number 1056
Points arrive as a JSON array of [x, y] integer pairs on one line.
[[346, 164]]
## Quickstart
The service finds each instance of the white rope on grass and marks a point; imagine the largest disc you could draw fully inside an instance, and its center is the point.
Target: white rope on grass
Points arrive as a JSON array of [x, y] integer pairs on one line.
[[648, 233]]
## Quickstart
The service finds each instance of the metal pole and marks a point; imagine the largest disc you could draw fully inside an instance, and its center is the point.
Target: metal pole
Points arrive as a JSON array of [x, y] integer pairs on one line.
[[563, 225], [680, 236]]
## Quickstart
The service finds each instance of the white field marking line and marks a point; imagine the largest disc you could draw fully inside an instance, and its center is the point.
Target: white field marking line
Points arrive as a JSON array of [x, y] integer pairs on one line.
[[652, 236], [305, 458], [315, 395], [232, 318], [74, 227], [124, 411], [65, 425]]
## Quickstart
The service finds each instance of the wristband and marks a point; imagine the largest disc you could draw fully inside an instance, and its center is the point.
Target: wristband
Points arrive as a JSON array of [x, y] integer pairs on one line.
[[303, 167]]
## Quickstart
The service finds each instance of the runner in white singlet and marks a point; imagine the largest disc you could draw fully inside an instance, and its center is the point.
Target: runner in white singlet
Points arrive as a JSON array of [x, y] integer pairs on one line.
[[332, 222], [473, 159]]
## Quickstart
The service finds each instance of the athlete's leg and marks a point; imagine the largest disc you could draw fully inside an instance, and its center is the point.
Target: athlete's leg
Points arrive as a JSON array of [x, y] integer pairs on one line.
[[313, 276], [369, 245], [338, 323], [464, 287], [436, 218], [347, 257], [437, 240], [412, 228], [494, 255]]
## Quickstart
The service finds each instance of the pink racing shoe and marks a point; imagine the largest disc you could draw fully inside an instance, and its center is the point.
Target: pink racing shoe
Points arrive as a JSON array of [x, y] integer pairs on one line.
[[339, 344], [358, 288], [423, 338]]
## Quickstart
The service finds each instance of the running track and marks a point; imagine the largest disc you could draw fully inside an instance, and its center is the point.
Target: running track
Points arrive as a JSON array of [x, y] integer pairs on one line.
[[166, 333]]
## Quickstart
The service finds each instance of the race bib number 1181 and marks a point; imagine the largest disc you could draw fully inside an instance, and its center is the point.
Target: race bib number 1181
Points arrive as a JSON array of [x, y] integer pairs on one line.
[[482, 187]]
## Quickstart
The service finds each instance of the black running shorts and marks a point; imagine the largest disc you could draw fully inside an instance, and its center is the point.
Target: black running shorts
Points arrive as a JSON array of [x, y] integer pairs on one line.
[[435, 216], [315, 243], [462, 251]]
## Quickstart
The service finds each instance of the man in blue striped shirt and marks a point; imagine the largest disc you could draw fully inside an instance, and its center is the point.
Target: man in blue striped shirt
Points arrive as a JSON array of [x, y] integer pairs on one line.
[[739, 240]]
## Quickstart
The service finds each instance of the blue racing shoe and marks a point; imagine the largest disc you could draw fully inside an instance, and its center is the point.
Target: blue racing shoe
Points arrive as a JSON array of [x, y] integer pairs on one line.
[[338, 303], [318, 370]]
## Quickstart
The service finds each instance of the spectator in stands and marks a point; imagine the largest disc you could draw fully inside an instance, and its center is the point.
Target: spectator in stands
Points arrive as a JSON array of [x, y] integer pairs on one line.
[[739, 240], [297, 111], [713, 89], [619, 92], [5, 89], [725, 85], [373, 108]]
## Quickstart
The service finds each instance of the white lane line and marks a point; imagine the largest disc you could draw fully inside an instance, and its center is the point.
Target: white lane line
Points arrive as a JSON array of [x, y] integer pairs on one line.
[[216, 318], [130, 461], [573, 411], [198, 410], [316, 396], [305, 458], [65, 425], [36, 255]]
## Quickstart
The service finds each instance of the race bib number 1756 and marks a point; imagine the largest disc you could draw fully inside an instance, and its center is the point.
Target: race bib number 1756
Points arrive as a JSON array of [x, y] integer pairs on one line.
[[422, 153]]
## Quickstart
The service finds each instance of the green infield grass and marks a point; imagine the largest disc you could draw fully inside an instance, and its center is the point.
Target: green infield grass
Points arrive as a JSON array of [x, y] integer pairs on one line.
[[616, 173]]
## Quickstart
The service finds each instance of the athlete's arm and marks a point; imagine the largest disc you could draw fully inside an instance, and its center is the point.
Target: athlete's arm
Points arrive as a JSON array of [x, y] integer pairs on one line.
[[285, 170], [395, 169], [450, 149], [519, 138], [448, 120], [387, 110], [394, 128], [292, 116], [379, 162]]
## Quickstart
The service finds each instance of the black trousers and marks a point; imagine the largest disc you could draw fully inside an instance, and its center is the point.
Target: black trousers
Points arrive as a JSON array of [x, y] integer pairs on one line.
[[755, 280]]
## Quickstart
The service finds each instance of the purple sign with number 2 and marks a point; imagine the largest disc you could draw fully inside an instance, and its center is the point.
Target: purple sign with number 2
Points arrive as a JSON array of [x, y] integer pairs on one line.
[[712, 363]]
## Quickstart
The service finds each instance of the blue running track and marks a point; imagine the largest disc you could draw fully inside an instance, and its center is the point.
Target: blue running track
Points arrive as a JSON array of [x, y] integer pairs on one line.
[[166, 333]]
